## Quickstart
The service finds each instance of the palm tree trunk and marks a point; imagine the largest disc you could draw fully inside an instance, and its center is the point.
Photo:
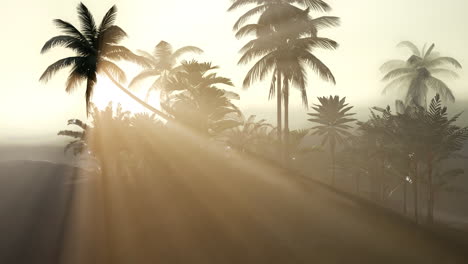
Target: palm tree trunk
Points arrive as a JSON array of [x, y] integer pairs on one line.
[[286, 122], [430, 206], [136, 98], [332, 152], [405, 207], [415, 193], [279, 112]]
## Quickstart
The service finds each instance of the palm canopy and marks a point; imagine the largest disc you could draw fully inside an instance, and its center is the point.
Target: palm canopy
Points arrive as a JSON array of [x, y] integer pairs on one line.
[[196, 99], [264, 5], [96, 49], [290, 57], [420, 73], [333, 118], [162, 62]]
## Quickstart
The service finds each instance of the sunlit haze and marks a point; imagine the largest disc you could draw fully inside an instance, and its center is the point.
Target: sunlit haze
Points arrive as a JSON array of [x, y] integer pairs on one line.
[[369, 33]]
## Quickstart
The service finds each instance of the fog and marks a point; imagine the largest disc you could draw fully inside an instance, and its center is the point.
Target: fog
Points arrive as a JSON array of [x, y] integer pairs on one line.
[[315, 131]]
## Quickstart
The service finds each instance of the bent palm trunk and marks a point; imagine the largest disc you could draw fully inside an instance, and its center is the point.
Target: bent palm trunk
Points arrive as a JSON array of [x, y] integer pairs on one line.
[[286, 122], [136, 98]]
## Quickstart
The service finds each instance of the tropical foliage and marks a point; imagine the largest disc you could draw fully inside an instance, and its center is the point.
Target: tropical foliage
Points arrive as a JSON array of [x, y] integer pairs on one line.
[[162, 65], [406, 150]]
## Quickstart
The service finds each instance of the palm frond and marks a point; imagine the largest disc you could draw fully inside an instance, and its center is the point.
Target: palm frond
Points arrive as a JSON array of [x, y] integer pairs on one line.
[[69, 29], [443, 61], [108, 19], [397, 73], [88, 26], [184, 50], [66, 41], [245, 17], [319, 67], [392, 65], [410, 45], [108, 66], [112, 35], [58, 65], [441, 88]]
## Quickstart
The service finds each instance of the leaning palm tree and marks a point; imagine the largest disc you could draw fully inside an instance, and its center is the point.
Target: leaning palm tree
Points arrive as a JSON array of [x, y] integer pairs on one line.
[[96, 49], [286, 36], [419, 73], [162, 63], [333, 119]]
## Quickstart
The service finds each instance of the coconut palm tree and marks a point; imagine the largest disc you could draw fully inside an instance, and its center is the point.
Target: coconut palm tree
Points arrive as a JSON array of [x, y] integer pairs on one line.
[[422, 71], [96, 49], [162, 63], [286, 36], [333, 119]]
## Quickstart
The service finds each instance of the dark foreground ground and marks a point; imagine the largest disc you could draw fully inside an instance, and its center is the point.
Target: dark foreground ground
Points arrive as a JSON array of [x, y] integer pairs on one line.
[[34, 202], [281, 219]]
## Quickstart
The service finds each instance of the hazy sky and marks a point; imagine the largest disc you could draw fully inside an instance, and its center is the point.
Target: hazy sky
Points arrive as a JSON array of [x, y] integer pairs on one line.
[[370, 30]]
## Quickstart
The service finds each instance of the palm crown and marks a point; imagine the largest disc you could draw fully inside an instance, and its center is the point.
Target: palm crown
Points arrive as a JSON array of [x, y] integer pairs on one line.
[[162, 62], [419, 73]]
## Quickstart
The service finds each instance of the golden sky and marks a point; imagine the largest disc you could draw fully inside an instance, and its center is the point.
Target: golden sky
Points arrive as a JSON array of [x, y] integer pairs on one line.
[[370, 30]]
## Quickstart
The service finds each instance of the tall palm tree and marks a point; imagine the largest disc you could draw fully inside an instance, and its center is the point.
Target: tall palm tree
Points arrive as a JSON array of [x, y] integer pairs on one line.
[[286, 36], [333, 119], [419, 73], [162, 63], [96, 49]]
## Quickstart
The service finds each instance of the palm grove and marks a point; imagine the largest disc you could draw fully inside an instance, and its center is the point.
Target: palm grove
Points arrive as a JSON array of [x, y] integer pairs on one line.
[[400, 150]]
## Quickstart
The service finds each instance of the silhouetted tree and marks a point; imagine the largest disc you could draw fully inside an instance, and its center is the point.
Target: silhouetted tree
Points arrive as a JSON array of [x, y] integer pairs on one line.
[[333, 119], [419, 73], [286, 36], [96, 49]]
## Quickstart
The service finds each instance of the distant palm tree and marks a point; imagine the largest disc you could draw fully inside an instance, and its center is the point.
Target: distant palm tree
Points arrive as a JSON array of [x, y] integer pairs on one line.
[[419, 73], [78, 145], [195, 99], [333, 117], [286, 36], [96, 49], [162, 63], [247, 134]]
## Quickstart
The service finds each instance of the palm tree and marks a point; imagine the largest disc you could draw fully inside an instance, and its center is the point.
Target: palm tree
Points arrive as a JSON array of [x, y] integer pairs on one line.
[[96, 50], [162, 62], [333, 119], [78, 145], [286, 36], [195, 99], [247, 134], [419, 73]]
